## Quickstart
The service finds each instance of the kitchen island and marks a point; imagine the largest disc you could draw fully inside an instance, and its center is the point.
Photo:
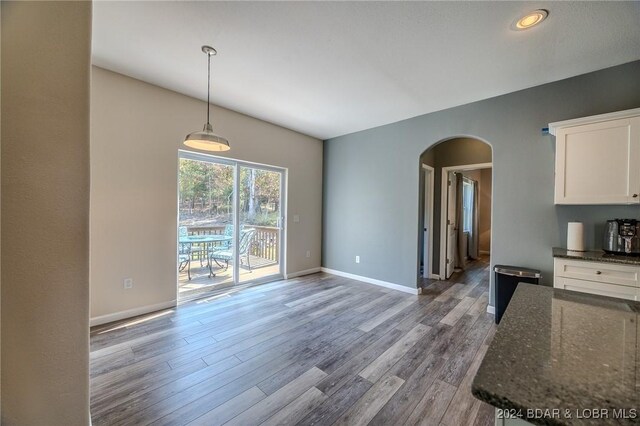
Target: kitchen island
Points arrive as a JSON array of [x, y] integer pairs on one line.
[[563, 358]]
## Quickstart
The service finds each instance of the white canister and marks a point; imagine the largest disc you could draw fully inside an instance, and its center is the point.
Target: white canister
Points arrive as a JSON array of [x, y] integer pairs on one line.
[[575, 236]]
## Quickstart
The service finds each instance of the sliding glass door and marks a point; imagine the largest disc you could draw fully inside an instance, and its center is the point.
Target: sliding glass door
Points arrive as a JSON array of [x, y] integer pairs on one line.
[[229, 223], [260, 211]]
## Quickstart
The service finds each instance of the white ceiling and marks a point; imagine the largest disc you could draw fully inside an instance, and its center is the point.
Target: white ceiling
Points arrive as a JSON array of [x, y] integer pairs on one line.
[[331, 68]]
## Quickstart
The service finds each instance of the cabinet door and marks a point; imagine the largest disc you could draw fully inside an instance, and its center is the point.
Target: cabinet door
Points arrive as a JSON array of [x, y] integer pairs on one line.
[[598, 163]]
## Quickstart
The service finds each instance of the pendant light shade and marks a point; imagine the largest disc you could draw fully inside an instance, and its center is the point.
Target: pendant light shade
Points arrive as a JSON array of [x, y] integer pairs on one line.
[[205, 139]]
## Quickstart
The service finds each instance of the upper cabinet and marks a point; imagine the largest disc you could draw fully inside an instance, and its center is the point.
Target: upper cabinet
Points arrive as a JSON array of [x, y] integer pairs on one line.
[[598, 159]]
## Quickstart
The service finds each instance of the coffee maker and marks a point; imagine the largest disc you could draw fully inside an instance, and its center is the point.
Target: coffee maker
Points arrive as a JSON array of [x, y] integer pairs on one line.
[[622, 236]]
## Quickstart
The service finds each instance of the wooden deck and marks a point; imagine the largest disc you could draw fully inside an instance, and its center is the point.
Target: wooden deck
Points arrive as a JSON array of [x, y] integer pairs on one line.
[[316, 350], [201, 285]]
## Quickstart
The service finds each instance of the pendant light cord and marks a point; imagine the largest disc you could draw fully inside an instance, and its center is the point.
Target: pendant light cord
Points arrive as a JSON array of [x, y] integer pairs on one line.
[[208, 84]]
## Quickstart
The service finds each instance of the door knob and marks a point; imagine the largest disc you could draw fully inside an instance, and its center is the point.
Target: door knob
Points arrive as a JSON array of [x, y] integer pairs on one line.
[[598, 272], [635, 195]]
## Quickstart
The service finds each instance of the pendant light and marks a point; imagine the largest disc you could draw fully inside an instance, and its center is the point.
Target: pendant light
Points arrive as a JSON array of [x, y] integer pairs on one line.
[[206, 140]]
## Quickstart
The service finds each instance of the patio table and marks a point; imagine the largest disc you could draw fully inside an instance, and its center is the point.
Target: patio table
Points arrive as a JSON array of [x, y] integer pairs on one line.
[[205, 240]]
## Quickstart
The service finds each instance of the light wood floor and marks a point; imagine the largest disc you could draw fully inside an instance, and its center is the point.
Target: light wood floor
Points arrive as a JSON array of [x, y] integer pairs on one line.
[[317, 350]]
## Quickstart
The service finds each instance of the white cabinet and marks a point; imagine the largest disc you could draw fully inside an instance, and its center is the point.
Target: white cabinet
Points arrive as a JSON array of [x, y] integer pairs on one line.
[[605, 279], [594, 287], [598, 159]]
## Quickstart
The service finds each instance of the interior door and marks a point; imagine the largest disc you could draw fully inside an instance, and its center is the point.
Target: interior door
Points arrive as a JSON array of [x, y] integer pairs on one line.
[[451, 224], [426, 253]]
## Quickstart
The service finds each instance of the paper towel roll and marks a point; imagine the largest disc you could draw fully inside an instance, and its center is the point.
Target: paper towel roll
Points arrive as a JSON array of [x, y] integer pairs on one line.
[[575, 236]]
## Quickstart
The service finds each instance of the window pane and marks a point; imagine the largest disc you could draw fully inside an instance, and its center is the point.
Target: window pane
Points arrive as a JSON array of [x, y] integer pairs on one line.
[[467, 205]]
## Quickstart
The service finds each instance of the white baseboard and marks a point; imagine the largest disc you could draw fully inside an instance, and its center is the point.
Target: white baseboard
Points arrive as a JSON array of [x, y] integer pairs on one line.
[[491, 310], [301, 273], [371, 281], [116, 316], [434, 276]]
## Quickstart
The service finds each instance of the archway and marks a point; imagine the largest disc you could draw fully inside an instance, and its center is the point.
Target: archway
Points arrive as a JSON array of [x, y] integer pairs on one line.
[[455, 205]]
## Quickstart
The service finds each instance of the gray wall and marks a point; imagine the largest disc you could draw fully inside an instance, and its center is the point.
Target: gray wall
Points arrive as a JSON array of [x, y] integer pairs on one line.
[[484, 218], [371, 189]]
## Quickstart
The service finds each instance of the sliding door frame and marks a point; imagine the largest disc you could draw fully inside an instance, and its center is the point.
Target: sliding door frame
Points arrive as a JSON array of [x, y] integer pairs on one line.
[[237, 164]]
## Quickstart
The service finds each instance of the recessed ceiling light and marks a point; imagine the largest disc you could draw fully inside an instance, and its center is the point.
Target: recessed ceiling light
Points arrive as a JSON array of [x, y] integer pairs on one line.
[[531, 19]]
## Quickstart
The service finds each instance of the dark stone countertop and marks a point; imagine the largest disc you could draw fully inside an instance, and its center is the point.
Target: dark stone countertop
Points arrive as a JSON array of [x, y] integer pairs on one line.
[[558, 349], [596, 256]]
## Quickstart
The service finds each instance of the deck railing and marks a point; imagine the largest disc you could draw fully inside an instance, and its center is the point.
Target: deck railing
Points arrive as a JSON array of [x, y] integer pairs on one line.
[[265, 242]]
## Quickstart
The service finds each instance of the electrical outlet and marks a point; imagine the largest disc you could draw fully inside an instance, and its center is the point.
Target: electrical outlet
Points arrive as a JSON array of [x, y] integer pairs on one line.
[[357, 259], [128, 283], [308, 253]]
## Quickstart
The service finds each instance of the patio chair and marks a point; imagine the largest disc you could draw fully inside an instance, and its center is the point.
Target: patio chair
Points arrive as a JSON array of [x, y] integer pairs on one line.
[[225, 255], [198, 251], [228, 232], [184, 258]]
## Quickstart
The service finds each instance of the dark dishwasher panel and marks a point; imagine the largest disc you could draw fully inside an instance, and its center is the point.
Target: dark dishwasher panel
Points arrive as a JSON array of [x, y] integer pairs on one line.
[[506, 280]]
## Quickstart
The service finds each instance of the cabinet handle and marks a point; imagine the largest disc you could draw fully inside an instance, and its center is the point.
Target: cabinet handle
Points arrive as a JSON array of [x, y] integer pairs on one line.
[[598, 272], [635, 195]]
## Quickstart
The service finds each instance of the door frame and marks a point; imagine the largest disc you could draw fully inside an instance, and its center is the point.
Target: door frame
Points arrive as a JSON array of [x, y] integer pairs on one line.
[[283, 228], [444, 208], [197, 156], [428, 173]]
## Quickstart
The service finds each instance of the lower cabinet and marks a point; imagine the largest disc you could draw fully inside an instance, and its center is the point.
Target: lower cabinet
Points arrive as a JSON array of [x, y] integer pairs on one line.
[[604, 279], [602, 289]]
